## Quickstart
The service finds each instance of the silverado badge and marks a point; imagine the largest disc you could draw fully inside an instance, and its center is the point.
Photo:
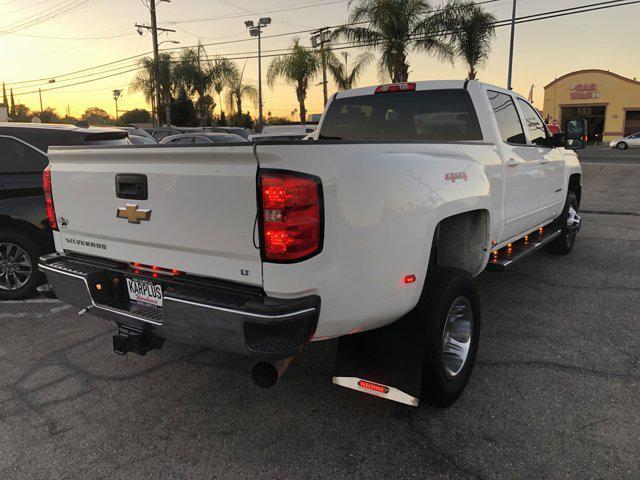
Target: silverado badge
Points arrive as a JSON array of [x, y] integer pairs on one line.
[[132, 213]]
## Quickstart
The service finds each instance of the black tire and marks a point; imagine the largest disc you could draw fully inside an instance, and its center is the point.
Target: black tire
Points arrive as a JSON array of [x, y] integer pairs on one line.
[[32, 250], [563, 244], [445, 287], [622, 146]]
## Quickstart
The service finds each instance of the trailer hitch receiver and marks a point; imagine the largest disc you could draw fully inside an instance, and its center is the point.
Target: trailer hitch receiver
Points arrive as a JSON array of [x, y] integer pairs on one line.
[[130, 340]]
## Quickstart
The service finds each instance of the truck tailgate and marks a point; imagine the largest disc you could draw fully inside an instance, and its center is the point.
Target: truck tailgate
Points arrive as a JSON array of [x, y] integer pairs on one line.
[[201, 201]]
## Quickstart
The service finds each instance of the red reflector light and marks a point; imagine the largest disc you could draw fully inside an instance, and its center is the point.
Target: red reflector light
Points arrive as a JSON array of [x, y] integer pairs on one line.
[[409, 279], [291, 211], [373, 386], [396, 87], [48, 198]]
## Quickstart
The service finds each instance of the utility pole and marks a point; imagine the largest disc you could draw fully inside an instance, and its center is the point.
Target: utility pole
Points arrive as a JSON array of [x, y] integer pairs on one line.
[[116, 96], [318, 39], [256, 31], [156, 70], [40, 93], [513, 31]]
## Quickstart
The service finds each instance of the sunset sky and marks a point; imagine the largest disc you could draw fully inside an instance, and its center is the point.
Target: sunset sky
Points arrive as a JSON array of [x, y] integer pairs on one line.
[[543, 50]]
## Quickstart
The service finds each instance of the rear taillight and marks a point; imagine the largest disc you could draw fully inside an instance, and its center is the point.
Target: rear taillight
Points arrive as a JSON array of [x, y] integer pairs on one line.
[[291, 215], [396, 87], [48, 198]]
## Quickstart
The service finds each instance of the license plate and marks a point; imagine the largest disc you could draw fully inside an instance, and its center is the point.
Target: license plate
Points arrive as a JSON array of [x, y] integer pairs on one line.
[[144, 292]]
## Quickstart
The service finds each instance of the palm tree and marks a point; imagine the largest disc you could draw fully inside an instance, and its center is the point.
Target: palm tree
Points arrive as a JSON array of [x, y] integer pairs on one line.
[[236, 91], [397, 27], [144, 80], [297, 67], [198, 75], [344, 78], [223, 69], [472, 38]]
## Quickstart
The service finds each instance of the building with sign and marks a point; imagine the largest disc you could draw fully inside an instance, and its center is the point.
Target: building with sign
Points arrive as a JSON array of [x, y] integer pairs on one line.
[[609, 102]]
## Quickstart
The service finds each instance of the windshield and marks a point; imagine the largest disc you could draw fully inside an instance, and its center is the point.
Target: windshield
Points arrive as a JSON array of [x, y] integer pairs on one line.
[[428, 116]]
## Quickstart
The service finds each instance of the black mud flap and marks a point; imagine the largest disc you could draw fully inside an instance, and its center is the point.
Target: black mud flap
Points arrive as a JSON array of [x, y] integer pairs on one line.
[[386, 362]]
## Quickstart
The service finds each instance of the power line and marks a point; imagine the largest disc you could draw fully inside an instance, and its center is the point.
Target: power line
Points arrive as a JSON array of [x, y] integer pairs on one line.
[[45, 15], [208, 45], [344, 46]]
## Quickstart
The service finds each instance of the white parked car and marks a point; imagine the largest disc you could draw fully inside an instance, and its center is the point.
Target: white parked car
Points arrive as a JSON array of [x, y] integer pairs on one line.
[[373, 233], [631, 141]]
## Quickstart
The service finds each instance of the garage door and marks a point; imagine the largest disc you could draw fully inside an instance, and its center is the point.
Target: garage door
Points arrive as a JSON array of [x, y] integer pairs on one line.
[[632, 122]]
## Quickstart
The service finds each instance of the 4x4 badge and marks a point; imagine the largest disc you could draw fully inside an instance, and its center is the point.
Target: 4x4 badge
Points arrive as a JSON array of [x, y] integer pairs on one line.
[[132, 213]]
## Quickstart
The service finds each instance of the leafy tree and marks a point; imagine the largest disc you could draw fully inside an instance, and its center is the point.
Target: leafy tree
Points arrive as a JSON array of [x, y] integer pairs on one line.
[[344, 78], [222, 121], [22, 113], [472, 38], [137, 115], [397, 27], [96, 116], [237, 91], [183, 111], [49, 115], [297, 68]]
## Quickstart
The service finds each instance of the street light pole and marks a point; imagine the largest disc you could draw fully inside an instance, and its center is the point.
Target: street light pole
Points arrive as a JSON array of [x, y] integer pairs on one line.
[[256, 31], [116, 96], [513, 31]]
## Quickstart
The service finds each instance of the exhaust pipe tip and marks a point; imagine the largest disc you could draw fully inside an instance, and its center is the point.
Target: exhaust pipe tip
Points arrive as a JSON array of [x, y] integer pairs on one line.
[[264, 374]]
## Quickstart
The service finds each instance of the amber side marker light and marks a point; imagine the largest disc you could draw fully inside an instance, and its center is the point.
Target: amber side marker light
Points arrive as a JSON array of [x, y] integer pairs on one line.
[[373, 386]]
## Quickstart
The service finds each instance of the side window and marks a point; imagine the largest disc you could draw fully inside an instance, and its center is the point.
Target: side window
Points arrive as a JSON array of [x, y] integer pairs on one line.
[[507, 117], [183, 140], [534, 124], [17, 157], [202, 140]]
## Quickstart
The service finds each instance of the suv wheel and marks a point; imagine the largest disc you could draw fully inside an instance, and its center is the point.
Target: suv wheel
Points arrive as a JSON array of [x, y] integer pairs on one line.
[[19, 255]]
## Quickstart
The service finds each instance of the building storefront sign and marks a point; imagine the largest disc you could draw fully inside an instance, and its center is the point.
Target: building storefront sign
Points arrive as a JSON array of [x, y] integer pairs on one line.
[[581, 91]]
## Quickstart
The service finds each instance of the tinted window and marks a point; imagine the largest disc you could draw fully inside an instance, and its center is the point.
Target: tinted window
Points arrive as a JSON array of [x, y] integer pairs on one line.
[[534, 124], [507, 118], [202, 140], [226, 138], [17, 157], [183, 140], [433, 115]]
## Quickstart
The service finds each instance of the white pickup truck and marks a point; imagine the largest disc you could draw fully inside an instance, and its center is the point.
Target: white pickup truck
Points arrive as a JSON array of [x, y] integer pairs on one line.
[[371, 232]]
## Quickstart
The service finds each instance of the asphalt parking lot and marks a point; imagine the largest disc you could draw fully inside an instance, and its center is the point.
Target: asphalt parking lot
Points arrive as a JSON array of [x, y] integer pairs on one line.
[[555, 392]]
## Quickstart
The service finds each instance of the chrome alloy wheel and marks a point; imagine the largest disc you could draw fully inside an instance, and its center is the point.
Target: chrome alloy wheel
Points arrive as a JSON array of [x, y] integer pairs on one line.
[[15, 267], [456, 337], [574, 221]]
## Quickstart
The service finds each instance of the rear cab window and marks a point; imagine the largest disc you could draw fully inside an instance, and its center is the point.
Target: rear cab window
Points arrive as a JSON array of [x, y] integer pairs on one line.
[[416, 116]]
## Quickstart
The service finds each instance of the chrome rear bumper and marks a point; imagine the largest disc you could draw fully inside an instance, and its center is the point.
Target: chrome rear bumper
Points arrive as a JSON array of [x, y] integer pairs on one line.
[[223, 316]]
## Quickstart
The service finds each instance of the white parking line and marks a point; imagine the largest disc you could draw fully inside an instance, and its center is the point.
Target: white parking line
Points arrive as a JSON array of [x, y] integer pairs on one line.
[[31, 300], [611, 164]]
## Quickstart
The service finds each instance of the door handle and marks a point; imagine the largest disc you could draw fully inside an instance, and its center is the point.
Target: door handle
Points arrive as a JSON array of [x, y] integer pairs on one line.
[[512, 162], [544, 160], [131, 186]]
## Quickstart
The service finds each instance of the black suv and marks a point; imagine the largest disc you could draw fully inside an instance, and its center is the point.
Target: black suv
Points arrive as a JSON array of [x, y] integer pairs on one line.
[[24, 230]]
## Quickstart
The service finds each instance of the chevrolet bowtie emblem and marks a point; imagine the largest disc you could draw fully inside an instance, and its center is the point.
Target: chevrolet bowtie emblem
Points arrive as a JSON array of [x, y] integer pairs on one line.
[[132, 213]]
